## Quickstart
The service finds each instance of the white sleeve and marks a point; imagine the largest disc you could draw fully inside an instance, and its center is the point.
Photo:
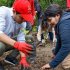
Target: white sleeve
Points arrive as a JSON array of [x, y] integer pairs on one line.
[[39, 33], [39, 28], [2, 20]]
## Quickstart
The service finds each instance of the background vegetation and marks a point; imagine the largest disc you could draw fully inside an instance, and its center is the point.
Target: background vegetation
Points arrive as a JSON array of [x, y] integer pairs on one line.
[[6, 3], [44, 3]]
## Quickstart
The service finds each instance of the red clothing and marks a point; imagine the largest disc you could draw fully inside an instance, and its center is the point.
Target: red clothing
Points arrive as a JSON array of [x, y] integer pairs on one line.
[[24, 9], [32, 6], [68, 3], [33, 9]]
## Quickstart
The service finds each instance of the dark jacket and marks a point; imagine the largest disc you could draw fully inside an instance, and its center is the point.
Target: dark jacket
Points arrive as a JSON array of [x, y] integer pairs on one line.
[[62, 48]]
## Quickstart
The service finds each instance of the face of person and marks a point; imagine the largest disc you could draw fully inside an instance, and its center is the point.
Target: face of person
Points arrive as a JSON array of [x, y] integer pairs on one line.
[[17, 17], [53, 20]]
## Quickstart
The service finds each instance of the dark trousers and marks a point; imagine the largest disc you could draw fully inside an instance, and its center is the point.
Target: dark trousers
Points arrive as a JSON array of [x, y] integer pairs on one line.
[[5, 48]]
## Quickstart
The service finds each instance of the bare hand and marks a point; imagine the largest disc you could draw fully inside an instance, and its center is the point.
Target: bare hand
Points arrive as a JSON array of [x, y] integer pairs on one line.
[[47, 66]]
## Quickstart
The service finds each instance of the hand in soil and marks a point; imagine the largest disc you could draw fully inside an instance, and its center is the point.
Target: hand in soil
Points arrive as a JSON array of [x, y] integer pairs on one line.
[[45, 67]]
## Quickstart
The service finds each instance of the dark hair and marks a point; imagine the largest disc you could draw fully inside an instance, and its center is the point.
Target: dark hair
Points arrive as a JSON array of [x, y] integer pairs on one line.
[[17, 12], [53, 10], [44, 24]]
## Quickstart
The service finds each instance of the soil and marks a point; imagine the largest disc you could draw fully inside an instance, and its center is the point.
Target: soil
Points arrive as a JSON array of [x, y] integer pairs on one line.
[[44, 55]]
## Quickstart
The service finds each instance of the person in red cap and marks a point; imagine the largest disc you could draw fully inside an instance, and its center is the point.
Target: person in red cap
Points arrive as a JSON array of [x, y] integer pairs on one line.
[[29, 25], [12, 23], [32, 10], [25, 12]]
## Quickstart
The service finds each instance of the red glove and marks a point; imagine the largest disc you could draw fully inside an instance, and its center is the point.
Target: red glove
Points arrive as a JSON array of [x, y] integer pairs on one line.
[[24, 63], [23, 47]]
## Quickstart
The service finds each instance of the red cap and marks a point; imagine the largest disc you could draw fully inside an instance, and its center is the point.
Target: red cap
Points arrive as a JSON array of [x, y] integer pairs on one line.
[[24, 8]]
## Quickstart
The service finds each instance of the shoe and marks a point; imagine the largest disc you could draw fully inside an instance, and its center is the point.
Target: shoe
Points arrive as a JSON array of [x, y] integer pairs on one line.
[[1, 67], [11, 60]]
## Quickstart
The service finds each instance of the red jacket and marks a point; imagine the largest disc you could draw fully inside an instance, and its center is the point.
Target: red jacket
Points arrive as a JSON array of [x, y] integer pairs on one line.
[[32, 7], [68, 4]]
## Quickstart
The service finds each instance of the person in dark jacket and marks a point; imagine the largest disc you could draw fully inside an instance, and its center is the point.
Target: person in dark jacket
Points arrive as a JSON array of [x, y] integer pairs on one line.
[[61, 21]]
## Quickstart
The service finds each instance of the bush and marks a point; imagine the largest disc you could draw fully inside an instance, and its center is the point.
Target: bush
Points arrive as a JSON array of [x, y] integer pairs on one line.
[[45, 3], [6, 3]]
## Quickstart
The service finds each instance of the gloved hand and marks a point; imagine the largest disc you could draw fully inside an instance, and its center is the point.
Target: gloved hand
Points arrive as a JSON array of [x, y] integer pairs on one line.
[[23, 47], [24, 63]]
